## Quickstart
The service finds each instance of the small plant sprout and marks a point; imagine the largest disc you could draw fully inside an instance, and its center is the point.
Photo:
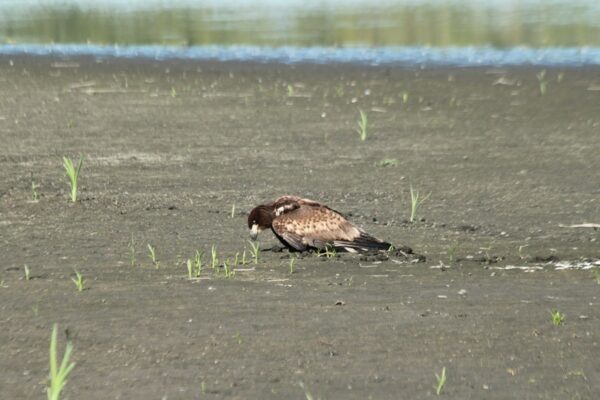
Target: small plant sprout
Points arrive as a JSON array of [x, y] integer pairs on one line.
[[405, 97], [173, 92], [452, 251], [79, 281], [198, 263], [521, 255], [292, 261], [255, 251], [290, 90], [244, 262], [131, 247], [27, 272], [238, 338], [58, 374], [307, 394], [328, 252], [541, 77], [415, 203], [190, 268], [214, 261], [441, 381], [362, 125], [228, 271], [73, 175], [152, 251], [2, 284], [387, 162], [557, 318], [236, 259], [233, 210]]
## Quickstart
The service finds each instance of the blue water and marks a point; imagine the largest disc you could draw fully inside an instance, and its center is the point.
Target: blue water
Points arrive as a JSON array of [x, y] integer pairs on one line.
[[403, 56]]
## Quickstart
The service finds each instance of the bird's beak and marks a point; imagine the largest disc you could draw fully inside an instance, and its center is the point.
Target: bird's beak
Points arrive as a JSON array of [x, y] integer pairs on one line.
[[254, 232]]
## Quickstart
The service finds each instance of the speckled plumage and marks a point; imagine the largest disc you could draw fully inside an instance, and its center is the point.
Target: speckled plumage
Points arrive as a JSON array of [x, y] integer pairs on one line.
[[303, 224]]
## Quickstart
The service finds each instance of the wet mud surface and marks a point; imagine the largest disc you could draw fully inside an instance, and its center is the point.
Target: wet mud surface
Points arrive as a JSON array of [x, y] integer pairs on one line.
[[177, 153]]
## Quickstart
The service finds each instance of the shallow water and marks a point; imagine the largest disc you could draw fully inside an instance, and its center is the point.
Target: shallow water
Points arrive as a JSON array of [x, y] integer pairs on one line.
[[412, 32], [306, 23]]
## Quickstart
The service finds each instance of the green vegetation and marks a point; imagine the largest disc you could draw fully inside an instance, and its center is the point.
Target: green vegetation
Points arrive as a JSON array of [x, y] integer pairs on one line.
[[557, 318], [452, 251], [58, 374], [328, 251], [173, 92], [27, 272], [306, 392], [227, 270], [362, 125], [255, 251], [233, 210], [415, 203], [73, 175], [441, 381], [521, 255], [214, 260], [387, 162], [34, 193], [405, 97], [79, 281], [152, 251]]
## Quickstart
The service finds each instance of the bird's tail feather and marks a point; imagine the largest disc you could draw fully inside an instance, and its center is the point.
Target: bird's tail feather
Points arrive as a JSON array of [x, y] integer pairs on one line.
[[364, 242]]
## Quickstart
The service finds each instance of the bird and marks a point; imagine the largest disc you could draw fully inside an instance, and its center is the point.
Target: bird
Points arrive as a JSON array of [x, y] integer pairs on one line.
[[303, 225]]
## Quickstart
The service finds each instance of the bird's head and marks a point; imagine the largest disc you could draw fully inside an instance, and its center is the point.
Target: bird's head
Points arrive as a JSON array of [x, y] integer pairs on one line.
[[259, 219]]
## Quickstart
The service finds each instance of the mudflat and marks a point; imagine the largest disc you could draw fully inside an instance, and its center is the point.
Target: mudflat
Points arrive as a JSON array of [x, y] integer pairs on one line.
[[177, 152]]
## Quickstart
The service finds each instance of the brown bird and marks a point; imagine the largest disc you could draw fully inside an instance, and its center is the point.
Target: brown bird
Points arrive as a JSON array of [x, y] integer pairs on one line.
[[303, 224]]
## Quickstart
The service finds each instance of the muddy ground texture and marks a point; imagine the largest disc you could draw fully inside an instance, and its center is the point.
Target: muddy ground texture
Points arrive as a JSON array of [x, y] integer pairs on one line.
[[170, 147]]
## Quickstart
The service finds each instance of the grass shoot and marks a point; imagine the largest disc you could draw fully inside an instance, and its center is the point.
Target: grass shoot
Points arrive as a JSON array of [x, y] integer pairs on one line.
[[198, 263], [79, 281], [214, 260], [387, 162], [255, 251], [233, 210], [557, 318], [415, 203], [190, 268], [328, 252], [362, 125], [58, 374], [34, 193], [27, 272], [73, 175], [228, 271], [152, 253], [441, 381]]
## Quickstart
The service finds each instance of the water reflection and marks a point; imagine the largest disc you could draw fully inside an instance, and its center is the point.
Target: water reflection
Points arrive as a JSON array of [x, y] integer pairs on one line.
[[308, 23]]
